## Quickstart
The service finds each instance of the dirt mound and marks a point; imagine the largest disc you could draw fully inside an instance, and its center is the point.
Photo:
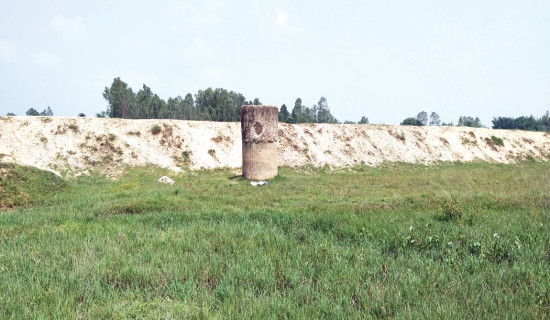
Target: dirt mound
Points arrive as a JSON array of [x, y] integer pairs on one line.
[[73, 146]]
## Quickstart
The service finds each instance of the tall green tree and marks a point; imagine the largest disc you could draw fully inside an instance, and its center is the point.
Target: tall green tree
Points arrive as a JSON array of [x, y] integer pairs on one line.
[[143, 109], [47, 112], [121, 99], [298, 112], [188, 107], [284, 115], [364, 120], [434, 119], [422, 118]]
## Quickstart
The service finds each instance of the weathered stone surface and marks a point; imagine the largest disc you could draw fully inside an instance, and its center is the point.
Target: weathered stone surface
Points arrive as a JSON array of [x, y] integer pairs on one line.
[[259, 129], [259, 123]]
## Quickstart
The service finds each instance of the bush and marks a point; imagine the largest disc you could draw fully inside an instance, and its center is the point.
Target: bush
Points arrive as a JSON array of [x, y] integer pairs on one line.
[[73, 127], [498, 141], [451, 208], [156, 129]]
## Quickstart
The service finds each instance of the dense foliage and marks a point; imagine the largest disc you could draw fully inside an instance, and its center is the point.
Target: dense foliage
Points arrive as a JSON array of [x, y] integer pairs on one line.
[[32, 112], [523, 123], [211, 105]]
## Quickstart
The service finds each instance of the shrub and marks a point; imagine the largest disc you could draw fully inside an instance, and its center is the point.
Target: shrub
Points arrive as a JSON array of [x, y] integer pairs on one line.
[[73, 127], [498, 141], [155, 129], [451, 208]]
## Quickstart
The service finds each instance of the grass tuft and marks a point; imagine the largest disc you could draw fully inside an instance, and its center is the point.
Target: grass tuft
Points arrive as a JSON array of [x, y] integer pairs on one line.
[[155, 129]]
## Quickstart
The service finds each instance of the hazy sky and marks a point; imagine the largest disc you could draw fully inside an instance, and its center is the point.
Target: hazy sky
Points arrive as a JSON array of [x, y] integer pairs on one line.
[[386, 60]]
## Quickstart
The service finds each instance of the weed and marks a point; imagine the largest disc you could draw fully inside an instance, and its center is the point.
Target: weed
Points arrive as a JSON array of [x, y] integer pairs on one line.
[[46, 119], [155, 129], [111, 137], [494, 142], [212, 153], [183, 160], [397, 135], [220, 138], [108, 158], [134, 133], [468, 141], [497, 141], [451, 208], [73, 127], [43, 139], [530, 158]]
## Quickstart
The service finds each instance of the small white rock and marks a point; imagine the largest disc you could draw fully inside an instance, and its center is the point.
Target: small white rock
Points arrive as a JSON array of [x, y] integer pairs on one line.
[[258, 183], [165, 179]]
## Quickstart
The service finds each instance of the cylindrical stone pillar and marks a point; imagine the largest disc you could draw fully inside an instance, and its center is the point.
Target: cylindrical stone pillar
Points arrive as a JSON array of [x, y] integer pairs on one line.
[[259, 129]]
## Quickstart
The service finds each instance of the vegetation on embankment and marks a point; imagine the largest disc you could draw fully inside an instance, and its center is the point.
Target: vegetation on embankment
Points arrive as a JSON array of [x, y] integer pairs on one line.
[[20, 185], [406, 241]]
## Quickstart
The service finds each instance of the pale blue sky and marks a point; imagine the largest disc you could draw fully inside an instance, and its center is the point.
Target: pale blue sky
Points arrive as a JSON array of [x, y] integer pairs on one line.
[[386, 60]]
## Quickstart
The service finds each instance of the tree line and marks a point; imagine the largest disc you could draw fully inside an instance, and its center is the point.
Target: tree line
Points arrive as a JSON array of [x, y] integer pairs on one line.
[[208, 105], [520, 123], [222, 105], [523, 123], [434, 120]]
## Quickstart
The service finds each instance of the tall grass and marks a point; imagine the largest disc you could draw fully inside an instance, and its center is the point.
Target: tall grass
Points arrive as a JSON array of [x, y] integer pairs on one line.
[[361, 243]]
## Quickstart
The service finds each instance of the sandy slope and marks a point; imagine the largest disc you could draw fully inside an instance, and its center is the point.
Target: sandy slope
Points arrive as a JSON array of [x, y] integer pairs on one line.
[[81, 145]]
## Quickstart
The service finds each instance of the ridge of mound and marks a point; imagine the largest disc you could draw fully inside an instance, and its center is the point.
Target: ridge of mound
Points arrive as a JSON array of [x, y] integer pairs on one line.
[[74, 146]]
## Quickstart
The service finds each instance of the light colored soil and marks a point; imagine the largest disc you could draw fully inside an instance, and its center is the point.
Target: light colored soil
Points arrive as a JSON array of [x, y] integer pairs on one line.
[[74, 146]]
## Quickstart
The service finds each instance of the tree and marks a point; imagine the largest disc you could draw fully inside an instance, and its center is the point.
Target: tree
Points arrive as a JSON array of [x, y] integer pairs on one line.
[[10, 114], [422, 118], [364, 120], [257, 102], [121, 99], [323, 112], [32, 112], [47, 112], [284, 115], [102, 114], [81, 114], [348, 122], [434, 119], [188, 107], [545, 121], [411, 122], [528, 123], [298, 112], [467, 121]]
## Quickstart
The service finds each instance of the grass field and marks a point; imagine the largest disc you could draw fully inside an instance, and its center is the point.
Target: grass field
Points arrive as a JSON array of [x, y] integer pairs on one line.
[[404, 241]]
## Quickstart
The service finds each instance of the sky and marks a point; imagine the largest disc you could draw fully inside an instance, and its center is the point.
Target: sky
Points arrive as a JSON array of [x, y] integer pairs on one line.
[[386, 60]]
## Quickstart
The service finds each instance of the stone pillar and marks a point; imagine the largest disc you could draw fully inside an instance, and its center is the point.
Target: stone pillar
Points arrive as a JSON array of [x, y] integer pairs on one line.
[[259, 129]]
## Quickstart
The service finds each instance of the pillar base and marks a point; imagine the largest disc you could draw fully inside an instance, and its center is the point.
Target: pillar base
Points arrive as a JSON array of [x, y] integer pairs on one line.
[[259, 161]]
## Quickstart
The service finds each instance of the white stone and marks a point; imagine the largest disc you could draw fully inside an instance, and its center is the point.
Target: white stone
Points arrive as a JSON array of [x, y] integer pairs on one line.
[[165, 179]]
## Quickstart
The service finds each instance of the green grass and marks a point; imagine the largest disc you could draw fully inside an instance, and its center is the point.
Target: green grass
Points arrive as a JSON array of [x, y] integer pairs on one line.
[[362, 243], [20, 186]]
